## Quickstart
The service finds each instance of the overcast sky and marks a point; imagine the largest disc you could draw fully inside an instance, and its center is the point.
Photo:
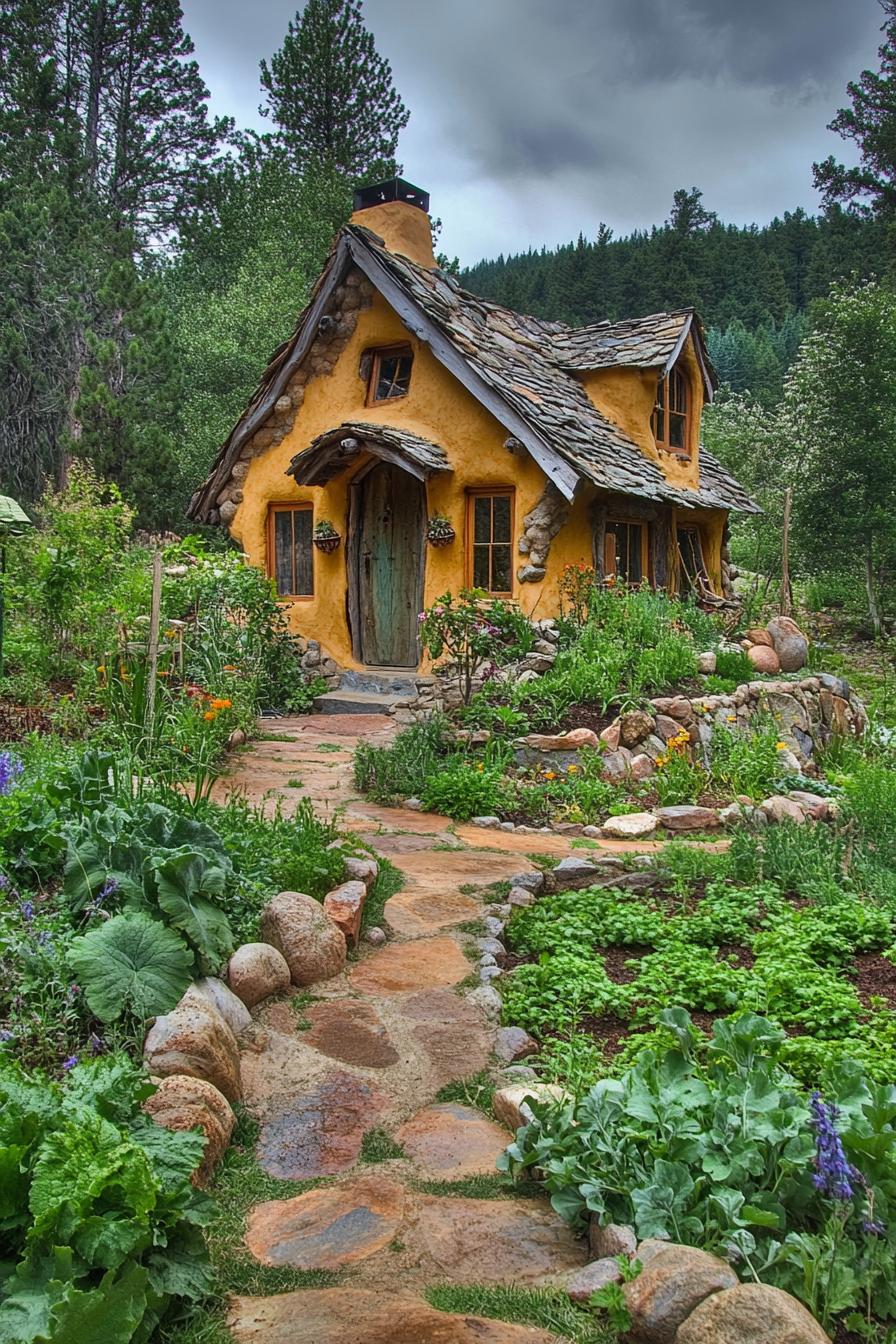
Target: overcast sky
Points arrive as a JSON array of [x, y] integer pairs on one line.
[[533, 120]]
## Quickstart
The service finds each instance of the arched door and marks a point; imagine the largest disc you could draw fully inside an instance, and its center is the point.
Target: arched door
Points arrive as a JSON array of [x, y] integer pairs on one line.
[[386, 570]]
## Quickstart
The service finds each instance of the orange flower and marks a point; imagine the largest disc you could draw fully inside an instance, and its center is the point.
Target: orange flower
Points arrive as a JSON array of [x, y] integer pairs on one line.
[[229, 667], [210, 715], [549, 774], [221, 704]]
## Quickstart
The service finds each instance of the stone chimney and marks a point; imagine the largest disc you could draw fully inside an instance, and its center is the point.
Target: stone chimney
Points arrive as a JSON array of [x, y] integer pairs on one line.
[[399, 214]]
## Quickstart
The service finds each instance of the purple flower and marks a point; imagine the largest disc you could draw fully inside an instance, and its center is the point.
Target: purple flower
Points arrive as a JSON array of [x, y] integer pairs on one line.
[[10, 769], [45, 938], [72, 993], [109, 888], [873, 1228], [5, 1035], [27, 911], [96, 1044], [70, 1062], [5, 883], [834, 1176]]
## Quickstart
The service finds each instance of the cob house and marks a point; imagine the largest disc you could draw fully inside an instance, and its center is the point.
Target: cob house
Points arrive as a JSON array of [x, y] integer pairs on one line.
[[411, 439]]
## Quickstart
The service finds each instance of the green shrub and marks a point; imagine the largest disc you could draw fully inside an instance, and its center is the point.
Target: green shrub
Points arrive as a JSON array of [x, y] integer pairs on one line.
[[746, 762], [734, 665], [389, 774], [461, 790]]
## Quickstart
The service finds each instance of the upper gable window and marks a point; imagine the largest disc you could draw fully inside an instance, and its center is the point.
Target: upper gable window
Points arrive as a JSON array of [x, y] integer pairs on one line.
[[390, 373], [670, 413]]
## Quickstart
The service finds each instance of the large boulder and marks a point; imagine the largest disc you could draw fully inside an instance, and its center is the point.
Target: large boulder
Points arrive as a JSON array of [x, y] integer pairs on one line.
[[791, 645], [194, 1039], [232, 1009], [764, 659], [573, 874], [256, 971], [313, 946], [760, 636], [674, 1280], [581, 1283], [181, 1102], [751, 1313], [780, 808]]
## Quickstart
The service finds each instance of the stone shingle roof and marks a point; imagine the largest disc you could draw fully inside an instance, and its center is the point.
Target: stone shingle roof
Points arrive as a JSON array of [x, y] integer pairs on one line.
[[521, 368], [651, 342], [331, 451]]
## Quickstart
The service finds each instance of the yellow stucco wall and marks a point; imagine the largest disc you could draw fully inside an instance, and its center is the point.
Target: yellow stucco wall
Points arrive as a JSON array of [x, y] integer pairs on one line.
[[440, 409], [627, 396]]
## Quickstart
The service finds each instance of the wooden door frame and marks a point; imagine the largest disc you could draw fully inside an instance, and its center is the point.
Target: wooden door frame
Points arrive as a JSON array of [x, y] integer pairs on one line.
[[353, 552]]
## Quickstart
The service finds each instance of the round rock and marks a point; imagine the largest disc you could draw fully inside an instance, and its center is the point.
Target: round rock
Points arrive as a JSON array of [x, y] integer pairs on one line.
[[674, 1280], [312, 945], [256, 971], [181, 1103], [751, 1313]]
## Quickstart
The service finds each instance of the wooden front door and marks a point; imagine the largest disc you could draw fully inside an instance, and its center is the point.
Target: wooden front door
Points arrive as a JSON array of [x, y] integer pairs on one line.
[[391, 518]]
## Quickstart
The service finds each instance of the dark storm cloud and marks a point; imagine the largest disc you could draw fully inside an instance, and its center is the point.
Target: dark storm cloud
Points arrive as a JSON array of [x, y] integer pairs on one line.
[[534, 119]]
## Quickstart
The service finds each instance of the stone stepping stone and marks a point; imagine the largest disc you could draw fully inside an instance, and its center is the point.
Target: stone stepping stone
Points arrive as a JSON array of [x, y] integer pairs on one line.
[[439, 874], [416, 914], [355, 1316], [495, 1240], [350, 1030], [401, 968], [319, 1133], [450, 1032], [451, 1141], [326, 1229]]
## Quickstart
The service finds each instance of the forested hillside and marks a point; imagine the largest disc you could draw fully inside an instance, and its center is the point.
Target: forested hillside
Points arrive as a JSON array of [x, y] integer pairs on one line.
[[751, 285]]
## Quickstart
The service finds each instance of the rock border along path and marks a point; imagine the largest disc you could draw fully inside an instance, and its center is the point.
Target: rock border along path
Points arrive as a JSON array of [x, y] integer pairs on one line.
[[381, 1041]]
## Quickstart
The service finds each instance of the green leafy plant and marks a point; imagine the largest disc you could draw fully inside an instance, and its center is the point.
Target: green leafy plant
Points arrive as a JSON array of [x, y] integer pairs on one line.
[[102, 1228], [131, 964]]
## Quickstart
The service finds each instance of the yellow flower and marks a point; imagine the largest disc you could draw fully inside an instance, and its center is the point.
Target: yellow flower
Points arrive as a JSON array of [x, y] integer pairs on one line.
[[102, 668], [170, 634], [549, 774], [661, 760], [731, 718], [571, 769], [480, 766], [781, 746]]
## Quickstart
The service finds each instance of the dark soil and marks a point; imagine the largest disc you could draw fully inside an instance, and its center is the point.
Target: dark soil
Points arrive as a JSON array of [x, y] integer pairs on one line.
[[741, 957], [615, 959], [587, 716], [875, 978], [607, 1031]]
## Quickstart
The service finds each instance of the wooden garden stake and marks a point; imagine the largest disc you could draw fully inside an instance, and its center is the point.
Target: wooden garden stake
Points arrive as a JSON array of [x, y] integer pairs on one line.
[[152, 671], [786, 603]]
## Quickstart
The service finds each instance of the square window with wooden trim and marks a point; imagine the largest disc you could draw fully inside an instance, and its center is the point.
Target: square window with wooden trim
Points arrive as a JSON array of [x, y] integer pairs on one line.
[[670, 413], [625, 551], [490, 541], [290, 552], [390, 373]]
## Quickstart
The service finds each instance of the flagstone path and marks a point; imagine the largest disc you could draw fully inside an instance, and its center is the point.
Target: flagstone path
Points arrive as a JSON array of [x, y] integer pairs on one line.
[[372, 1051]]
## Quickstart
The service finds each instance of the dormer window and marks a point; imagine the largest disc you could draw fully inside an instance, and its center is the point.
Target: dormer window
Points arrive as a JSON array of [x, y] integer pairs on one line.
[[390, 373], [670, 413]]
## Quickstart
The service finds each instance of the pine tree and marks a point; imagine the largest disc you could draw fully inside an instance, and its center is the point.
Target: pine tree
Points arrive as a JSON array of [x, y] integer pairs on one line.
[[871, 124], [147, 138], [331, 94], [129, 387]]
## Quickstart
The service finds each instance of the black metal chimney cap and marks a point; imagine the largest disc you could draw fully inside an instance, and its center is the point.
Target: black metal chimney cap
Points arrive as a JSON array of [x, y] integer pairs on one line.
[[396, 189]]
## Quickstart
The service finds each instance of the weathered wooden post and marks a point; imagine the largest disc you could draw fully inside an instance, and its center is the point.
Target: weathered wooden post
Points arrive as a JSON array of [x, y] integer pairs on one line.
[[153, 650], [786, 602]]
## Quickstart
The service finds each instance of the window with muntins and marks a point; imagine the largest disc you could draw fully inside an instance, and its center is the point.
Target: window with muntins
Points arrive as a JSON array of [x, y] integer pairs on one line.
[[490, 532], [290, 553], [670, 413], [390, 374]]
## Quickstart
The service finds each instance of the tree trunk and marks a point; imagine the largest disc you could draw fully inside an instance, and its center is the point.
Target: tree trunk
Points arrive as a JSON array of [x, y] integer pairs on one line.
[[96, 78], [873, 609]]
